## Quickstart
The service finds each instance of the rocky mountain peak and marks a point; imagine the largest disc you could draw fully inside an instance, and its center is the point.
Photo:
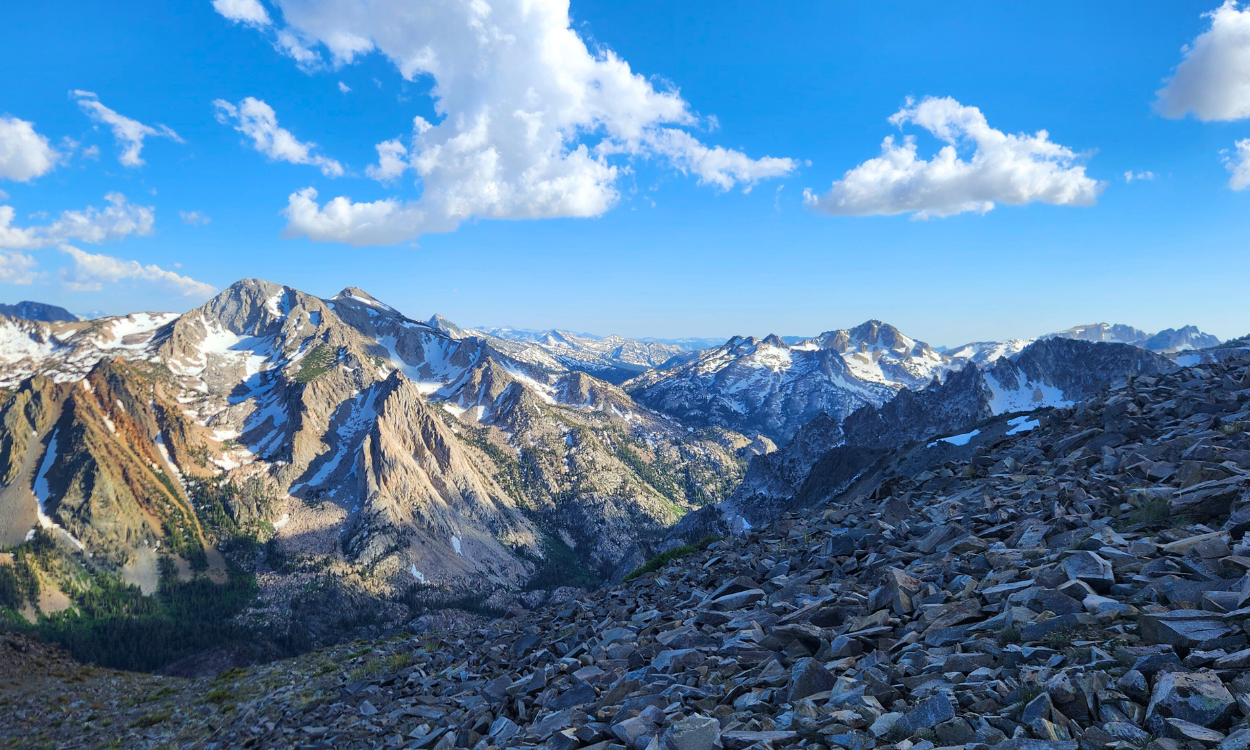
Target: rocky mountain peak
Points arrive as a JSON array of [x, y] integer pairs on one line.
[[40, 311], [438, 322], [1187, 338], [1103, 332], [359, 296]]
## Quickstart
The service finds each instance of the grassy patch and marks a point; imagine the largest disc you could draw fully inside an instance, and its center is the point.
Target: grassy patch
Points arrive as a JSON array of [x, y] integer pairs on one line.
[[316, 363], [1154, 512], [151, 720], [664, 558], [232, 673], [1009, 634]]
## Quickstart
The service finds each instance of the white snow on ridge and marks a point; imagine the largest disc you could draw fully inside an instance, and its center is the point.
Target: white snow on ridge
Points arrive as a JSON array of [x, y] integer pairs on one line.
[[1022, 424], [957, 439], [67, 351], [987, 352], [1027, 398]]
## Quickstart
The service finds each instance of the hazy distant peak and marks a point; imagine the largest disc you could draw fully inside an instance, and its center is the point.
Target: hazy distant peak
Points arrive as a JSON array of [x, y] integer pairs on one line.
[[40, 311]]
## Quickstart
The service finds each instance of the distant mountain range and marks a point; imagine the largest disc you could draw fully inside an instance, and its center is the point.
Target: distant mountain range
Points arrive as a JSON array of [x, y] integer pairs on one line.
[[37, 311], [385, 447], [1169, 341], [374, 453]]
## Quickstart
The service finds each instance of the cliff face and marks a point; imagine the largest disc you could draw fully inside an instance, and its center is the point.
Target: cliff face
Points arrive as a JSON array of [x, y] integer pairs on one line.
[[367, 451]]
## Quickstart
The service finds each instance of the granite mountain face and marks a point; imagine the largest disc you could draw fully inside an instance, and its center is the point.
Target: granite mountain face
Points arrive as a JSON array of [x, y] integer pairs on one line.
[[384, 463], [1069, 578], [1050, 373], [377, 452], [774, 386]]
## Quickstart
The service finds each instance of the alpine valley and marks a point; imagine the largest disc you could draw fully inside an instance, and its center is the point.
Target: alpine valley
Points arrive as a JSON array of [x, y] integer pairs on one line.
[[319, 469]]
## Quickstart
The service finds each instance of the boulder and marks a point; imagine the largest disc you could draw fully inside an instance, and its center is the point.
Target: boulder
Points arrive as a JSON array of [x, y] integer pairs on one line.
[[1196, 697]]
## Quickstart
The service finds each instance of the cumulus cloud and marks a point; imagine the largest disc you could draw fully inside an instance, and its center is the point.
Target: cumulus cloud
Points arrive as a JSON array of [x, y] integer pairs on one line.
[[1239, 165], [243, 11], [194, 218], [257, 120], [24, 154], [94, 225], [129, 133], [17, 268], [532, 123], [89, 272], [1213, 79], [383, 222], [1003, 168]]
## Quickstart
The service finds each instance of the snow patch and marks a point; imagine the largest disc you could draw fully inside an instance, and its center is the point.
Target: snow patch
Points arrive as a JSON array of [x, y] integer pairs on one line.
[[1028, 397], [957, 439], [1022, 424]]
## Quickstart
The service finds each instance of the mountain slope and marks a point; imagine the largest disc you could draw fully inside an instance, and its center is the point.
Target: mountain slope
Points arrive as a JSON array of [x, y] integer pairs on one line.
[[771, 387], [370, 453], [1048, 373], [1064, 582], [39, 311]]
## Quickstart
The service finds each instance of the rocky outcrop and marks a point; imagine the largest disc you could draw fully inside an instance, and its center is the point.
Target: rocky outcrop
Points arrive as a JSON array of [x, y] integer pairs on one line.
[[430, 507], [1045, 584], [759, 386]]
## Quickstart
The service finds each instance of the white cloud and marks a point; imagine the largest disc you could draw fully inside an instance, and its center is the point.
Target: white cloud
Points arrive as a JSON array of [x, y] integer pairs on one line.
[[24, 154], [90, 272], [1240, 166], [392, 161], [194, 218], [383, 222], [129, 133], [343, 87], [257, 120], [243, 11], [1213, 79], [1130, 175], [91, 152], [94, 225], [532, 123], [715, 166], [17, 268], [1012, 169]]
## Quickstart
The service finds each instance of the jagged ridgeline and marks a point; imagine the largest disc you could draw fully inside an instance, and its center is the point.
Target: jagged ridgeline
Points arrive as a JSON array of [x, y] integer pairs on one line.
[[304, 468]]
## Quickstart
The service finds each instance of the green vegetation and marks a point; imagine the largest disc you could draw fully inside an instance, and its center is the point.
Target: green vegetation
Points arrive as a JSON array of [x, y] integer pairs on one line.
[[1154, 512], [655, 473], [112, 623], [560, 567], [116, 626], [316, 363], [664, 558], [1009, 634], [151, 720], [232, 512], [509, 474]]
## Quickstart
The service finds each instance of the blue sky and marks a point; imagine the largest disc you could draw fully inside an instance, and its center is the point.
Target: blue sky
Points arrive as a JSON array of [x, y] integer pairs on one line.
[[648, 233]]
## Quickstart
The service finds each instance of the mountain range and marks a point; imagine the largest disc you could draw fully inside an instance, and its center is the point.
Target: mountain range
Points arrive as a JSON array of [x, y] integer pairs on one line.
[[376, 458]]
